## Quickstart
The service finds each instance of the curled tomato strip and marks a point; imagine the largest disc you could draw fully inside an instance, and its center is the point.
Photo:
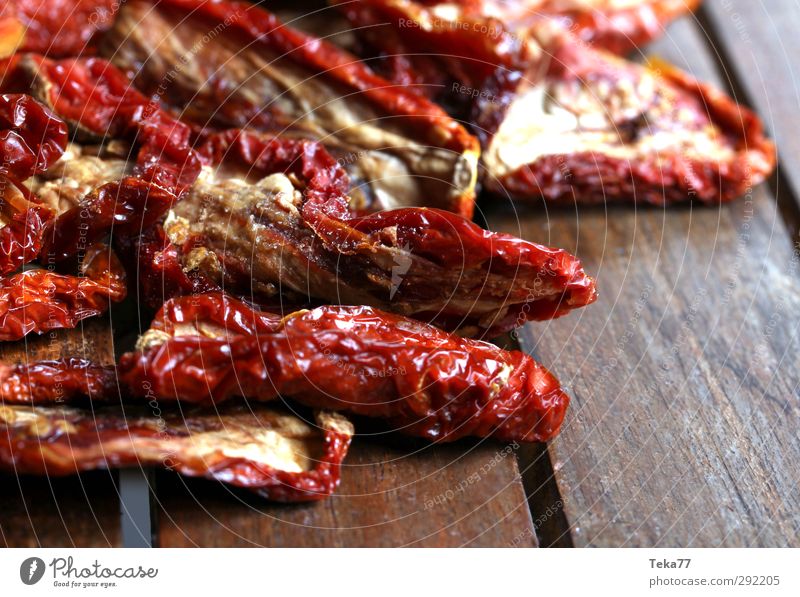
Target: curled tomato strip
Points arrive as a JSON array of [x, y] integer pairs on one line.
[[425, 382], [267, 451], [40, 300]]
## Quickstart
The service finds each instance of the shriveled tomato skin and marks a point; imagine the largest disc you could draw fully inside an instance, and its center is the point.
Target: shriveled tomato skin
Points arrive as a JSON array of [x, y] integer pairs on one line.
[[56, 381], [457, 275], [32, 139], [421, 380]]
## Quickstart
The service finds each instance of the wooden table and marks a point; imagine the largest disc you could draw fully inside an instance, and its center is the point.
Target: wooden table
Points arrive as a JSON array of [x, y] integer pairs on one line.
[[684, 428]]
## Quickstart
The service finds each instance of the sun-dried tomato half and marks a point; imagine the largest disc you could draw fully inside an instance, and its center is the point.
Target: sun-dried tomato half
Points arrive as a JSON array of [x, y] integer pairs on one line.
[[252, 71], [585, 126], [423, 381], [265, 450], [270, 215]]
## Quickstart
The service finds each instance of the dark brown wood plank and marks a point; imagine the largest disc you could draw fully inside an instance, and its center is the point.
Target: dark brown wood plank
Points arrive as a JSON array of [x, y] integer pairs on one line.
[[91, 340], [393, 493], [683, 427], [80, 511], [757, 42]]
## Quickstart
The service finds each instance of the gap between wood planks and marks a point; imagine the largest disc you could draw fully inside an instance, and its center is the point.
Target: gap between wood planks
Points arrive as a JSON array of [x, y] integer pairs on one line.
[[137, 517], [545, 502]]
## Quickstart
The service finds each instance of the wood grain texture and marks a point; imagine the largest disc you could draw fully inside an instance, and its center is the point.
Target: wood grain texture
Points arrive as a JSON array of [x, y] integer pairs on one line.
[[757, 42], [79, 511], [683, 426], [394, 493]]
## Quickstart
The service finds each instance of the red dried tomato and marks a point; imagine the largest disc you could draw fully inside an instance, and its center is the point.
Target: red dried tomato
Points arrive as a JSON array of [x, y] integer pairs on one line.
[[423, 381], [585, 126], [40, 300], [59, 381], [254, 72], [98, 102], [265, 450], [272, 214]]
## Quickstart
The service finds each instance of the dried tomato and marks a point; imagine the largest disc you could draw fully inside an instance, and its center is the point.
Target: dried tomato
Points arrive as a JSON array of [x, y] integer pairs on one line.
[[423, 381], [98, 103], [31, 140], [31, 136], [276, 455], [585, 126], [59, 381], [271, 214], [459, 37], [252, 71], [40, 300]]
